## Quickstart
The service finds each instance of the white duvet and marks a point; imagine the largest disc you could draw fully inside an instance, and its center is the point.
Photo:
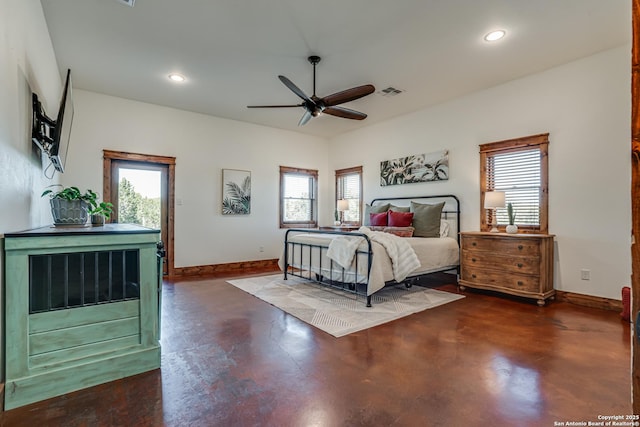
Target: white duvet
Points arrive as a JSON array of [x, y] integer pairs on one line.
[[432, 254], [342, 250]]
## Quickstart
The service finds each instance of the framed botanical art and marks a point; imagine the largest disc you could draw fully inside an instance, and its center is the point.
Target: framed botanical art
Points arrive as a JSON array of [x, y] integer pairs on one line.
[[417, 168], [236, 192]]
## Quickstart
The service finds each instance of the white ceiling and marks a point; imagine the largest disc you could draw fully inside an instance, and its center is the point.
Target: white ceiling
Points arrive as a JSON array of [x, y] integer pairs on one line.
[[231, 52]]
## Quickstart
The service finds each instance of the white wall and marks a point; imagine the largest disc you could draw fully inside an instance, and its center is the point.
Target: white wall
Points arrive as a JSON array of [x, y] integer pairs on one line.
[[27, 62], [203, 145], [585, 106]]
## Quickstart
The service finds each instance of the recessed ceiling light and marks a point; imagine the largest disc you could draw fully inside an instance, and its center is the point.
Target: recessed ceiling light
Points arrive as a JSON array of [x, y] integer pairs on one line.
[[495, 35], [176, 77]]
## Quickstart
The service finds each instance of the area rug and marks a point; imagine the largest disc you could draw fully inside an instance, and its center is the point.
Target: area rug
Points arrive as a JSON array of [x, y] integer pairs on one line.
[[341, 313]]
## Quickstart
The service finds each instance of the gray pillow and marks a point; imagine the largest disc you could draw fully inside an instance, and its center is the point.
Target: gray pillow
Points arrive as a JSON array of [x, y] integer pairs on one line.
[[399, 208], [426, 219], [368, 209]]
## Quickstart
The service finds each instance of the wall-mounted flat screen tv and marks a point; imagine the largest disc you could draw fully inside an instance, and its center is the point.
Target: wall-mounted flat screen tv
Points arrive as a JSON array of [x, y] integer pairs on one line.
[[52, 136]]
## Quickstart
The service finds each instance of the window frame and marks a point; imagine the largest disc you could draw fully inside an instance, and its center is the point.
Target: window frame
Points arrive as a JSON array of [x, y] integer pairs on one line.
[[311, 173], [541, 142], [341, 174]]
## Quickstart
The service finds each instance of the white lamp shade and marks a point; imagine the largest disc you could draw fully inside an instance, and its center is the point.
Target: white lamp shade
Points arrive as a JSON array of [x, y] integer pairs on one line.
[[343, 205], [494, 199]]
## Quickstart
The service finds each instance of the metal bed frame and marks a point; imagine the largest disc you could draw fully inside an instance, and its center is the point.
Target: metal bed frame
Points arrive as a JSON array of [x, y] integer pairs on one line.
[[357, 287]]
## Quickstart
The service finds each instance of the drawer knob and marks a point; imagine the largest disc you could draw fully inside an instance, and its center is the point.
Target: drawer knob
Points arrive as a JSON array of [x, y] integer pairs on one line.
[[520, 283], [473, 276], [519, 265], [473, 260], [520, 247], [474, 244]]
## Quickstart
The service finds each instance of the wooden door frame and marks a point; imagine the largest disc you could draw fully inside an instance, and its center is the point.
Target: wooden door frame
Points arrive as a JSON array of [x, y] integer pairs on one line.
[[635, 203], [109, 156]]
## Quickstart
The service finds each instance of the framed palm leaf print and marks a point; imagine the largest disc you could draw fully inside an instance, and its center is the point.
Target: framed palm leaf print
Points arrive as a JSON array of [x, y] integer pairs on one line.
[[236, 192], [417, 168]]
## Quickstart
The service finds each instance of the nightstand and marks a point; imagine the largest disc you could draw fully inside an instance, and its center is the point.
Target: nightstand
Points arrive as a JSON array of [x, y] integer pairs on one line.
[[516, 264], [339, 228]]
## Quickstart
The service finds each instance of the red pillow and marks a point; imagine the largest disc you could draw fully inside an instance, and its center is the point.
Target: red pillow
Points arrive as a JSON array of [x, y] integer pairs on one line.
[[400, 219], [400, 231], [378, 218]]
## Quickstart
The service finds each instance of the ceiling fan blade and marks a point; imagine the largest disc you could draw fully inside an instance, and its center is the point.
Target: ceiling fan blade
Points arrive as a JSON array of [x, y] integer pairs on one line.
[[274, 106], [305, 118], [345, 113], [295, 89], [348, 95]]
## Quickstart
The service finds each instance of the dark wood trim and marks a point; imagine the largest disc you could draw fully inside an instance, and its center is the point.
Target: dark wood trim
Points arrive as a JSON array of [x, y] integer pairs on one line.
[[522, 143], [232, 268], [110, 156], [349, 171], [512, 145], [589, 301], [341, 173], [635, 201], [284, 170], [137, 157]]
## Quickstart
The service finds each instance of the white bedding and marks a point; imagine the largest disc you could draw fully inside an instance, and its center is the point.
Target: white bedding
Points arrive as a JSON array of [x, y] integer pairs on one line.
[[433, 254]]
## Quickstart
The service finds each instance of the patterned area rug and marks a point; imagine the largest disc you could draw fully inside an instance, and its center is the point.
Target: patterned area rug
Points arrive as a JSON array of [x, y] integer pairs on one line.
[[340, 313]]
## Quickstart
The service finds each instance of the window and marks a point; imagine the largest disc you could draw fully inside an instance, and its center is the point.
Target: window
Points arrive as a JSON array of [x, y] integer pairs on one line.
[[298, 200], [519, 168], [349, 187]]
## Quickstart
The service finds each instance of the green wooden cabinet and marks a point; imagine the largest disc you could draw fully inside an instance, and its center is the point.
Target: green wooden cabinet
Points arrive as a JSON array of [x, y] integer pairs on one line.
[[81, 308]]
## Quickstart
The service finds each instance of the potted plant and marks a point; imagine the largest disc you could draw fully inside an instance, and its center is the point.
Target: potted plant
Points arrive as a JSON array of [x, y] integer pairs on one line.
[[70, 206], [336, 215], [99, 212], [512, 228]]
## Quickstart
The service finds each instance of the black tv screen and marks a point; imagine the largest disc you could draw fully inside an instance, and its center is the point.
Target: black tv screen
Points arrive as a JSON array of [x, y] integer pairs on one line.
[[52, 136]]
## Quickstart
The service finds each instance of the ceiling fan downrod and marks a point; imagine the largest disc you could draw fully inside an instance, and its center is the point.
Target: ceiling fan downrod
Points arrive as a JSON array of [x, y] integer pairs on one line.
[[314, 59]]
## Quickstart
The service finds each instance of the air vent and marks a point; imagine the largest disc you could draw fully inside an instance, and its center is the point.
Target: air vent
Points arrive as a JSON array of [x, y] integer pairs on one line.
[[127, 2], [390, 91]]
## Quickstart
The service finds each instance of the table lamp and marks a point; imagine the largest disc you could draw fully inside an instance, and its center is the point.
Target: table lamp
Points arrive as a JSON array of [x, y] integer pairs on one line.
[[494, 200], [343, 205]]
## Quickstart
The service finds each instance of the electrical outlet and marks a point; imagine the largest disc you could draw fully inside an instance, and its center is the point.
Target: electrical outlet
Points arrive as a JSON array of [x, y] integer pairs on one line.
[[585, 274], [261, 249]]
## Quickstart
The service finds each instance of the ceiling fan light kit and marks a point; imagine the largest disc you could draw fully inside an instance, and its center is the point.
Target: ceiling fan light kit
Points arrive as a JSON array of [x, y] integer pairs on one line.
[[315, 106]]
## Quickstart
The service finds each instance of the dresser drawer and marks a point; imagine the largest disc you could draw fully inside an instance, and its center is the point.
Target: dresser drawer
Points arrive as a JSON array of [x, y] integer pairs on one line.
[[502, 262], [501, 280], [502, 244]]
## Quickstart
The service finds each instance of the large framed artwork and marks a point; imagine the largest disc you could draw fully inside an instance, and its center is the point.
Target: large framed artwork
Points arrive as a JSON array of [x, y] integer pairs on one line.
[[236, 192], [417, 168]]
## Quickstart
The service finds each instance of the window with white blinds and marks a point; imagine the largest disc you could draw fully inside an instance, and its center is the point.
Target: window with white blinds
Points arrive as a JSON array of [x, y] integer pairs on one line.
[[519, 168], [518, 175], [298, 201], [349, 187]]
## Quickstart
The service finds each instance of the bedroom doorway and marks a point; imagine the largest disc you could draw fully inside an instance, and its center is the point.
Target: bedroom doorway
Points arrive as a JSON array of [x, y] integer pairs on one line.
[[141, 188]]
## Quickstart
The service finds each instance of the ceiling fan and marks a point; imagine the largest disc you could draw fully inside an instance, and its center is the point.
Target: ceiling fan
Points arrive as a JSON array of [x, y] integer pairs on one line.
[[314, 105]]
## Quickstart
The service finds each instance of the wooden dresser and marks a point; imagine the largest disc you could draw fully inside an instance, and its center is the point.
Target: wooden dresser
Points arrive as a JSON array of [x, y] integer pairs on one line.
[[516, 264]]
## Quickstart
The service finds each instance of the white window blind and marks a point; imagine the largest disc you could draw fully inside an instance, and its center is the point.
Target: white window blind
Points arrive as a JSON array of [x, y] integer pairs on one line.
[[348, 188], [518, 174]]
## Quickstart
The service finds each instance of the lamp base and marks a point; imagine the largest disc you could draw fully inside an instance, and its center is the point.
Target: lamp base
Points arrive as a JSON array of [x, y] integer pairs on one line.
[[494, 225]]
